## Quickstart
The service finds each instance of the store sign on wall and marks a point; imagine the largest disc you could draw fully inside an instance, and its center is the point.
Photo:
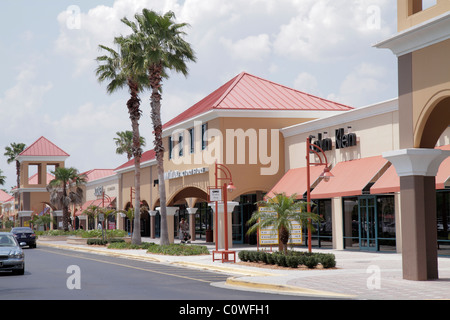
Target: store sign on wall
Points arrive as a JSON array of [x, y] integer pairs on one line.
[[178, 174], [343, 140]]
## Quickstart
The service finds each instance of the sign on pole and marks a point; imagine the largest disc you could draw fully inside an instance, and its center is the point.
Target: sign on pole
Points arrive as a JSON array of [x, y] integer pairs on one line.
[[215, 194]]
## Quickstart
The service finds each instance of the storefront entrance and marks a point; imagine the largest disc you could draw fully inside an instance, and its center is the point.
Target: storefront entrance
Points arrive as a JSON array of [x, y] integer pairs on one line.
[[368, 225]]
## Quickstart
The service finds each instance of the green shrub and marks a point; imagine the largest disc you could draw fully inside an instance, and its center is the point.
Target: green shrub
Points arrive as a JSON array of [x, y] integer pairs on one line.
[[271, 259], [98, 242], [292, 261], [327, 260], [311, 261], [178, 250], [243, 255], [281, 260]]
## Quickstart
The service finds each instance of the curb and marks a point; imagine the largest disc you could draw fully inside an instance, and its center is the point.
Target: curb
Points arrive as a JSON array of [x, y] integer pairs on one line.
[[249, 273], [287, 289]]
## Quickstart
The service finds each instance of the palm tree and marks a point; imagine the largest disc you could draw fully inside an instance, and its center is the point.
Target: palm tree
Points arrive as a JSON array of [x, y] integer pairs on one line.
[[124, 143], [12, 152], [288, 210], [123, 69], [60, 194], [163, 49], [2, 178]]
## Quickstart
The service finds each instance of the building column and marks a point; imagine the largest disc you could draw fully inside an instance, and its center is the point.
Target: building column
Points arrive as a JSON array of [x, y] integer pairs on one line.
[[220, 224], [338, 223], [192, 212], [153, 224], [417, 169]]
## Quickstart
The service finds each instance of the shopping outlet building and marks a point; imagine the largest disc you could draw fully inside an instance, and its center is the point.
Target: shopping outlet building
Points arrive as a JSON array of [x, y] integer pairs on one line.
[[389, 160]]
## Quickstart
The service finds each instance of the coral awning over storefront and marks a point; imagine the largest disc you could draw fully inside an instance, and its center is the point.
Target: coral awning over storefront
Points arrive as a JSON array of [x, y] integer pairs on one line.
[[351, 178], [294, 182], [390, 181], [98, 203]]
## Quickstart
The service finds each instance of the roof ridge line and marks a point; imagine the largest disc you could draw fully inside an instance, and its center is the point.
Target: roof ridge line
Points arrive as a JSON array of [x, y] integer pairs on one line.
[[302, 92], [230, 88]]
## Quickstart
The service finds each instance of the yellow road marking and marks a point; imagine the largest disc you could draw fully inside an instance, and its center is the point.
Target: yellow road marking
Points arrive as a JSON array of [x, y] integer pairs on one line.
[[127, 266]]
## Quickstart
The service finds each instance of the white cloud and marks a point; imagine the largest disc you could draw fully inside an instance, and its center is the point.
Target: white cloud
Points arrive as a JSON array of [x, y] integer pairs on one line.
[[23, 99], [363, 85], [328, 30], [307, 83], [252, 48]]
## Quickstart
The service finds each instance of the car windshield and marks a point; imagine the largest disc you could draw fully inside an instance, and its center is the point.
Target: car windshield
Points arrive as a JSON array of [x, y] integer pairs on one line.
[[7, 241]]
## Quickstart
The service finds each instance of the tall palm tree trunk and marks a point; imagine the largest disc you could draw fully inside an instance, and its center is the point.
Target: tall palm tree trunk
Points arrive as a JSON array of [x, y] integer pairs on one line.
[[65, 208], [155, 83], [133, 105]]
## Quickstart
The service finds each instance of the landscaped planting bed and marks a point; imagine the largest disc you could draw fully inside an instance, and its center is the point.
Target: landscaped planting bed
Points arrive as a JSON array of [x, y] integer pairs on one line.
[[292, 259]]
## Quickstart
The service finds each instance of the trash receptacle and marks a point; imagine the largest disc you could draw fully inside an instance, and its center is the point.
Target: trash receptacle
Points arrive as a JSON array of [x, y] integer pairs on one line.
[[209, 235]]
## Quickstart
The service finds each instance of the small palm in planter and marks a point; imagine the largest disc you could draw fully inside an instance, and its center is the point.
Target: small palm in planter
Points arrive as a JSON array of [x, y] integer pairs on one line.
[[288, 209]]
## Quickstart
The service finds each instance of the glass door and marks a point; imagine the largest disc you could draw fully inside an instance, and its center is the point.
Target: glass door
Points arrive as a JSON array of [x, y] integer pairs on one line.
[[367, 213]]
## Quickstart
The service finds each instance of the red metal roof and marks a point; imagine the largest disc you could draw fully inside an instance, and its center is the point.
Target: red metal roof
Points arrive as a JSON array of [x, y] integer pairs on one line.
[[96, 174], [146, 156], [4, 197], [43, 147], [248, 92], [34, 178]]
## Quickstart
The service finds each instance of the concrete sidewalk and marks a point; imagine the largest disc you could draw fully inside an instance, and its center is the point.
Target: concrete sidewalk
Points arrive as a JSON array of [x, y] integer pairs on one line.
[[358, 275]]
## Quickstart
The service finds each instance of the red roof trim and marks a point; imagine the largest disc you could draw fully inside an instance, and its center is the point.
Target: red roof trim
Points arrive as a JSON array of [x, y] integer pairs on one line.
[[146, 156]]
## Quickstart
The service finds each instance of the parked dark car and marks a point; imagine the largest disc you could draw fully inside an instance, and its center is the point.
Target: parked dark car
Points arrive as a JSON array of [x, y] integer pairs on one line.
[[11, 254], [25, 236]]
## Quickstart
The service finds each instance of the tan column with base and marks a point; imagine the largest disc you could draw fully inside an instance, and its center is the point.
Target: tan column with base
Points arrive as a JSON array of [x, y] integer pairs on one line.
[[220, 225], [417, 170], [192, 212], [152, 224]]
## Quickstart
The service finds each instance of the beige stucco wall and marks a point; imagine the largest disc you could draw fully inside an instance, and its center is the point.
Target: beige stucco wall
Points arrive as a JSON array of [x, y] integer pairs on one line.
[[247, 177], [410, 12], [376, 133], [430, 88]]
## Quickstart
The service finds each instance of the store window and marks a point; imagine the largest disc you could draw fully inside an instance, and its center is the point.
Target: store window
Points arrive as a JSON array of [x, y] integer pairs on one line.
[[443, 221], [386, 223], [322, 236]]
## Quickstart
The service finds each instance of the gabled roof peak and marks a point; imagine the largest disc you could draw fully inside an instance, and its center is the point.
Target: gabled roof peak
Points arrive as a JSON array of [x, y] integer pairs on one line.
[[43, 147], [248, 92]]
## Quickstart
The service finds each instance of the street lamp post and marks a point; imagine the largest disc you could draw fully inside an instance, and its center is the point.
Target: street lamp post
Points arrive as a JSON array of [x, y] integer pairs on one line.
[[226, 187], [325, 175]]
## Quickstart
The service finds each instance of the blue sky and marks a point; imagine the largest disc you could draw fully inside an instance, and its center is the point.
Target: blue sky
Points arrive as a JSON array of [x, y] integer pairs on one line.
[[48, 87]]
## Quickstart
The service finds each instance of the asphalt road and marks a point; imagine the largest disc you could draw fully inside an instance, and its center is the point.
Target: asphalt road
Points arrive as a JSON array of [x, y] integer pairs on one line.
[[54, 274]]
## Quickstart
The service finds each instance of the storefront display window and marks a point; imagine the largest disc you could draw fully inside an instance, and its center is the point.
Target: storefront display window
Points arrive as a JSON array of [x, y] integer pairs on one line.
[[386, 223], [322, 236], [443, 221]]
